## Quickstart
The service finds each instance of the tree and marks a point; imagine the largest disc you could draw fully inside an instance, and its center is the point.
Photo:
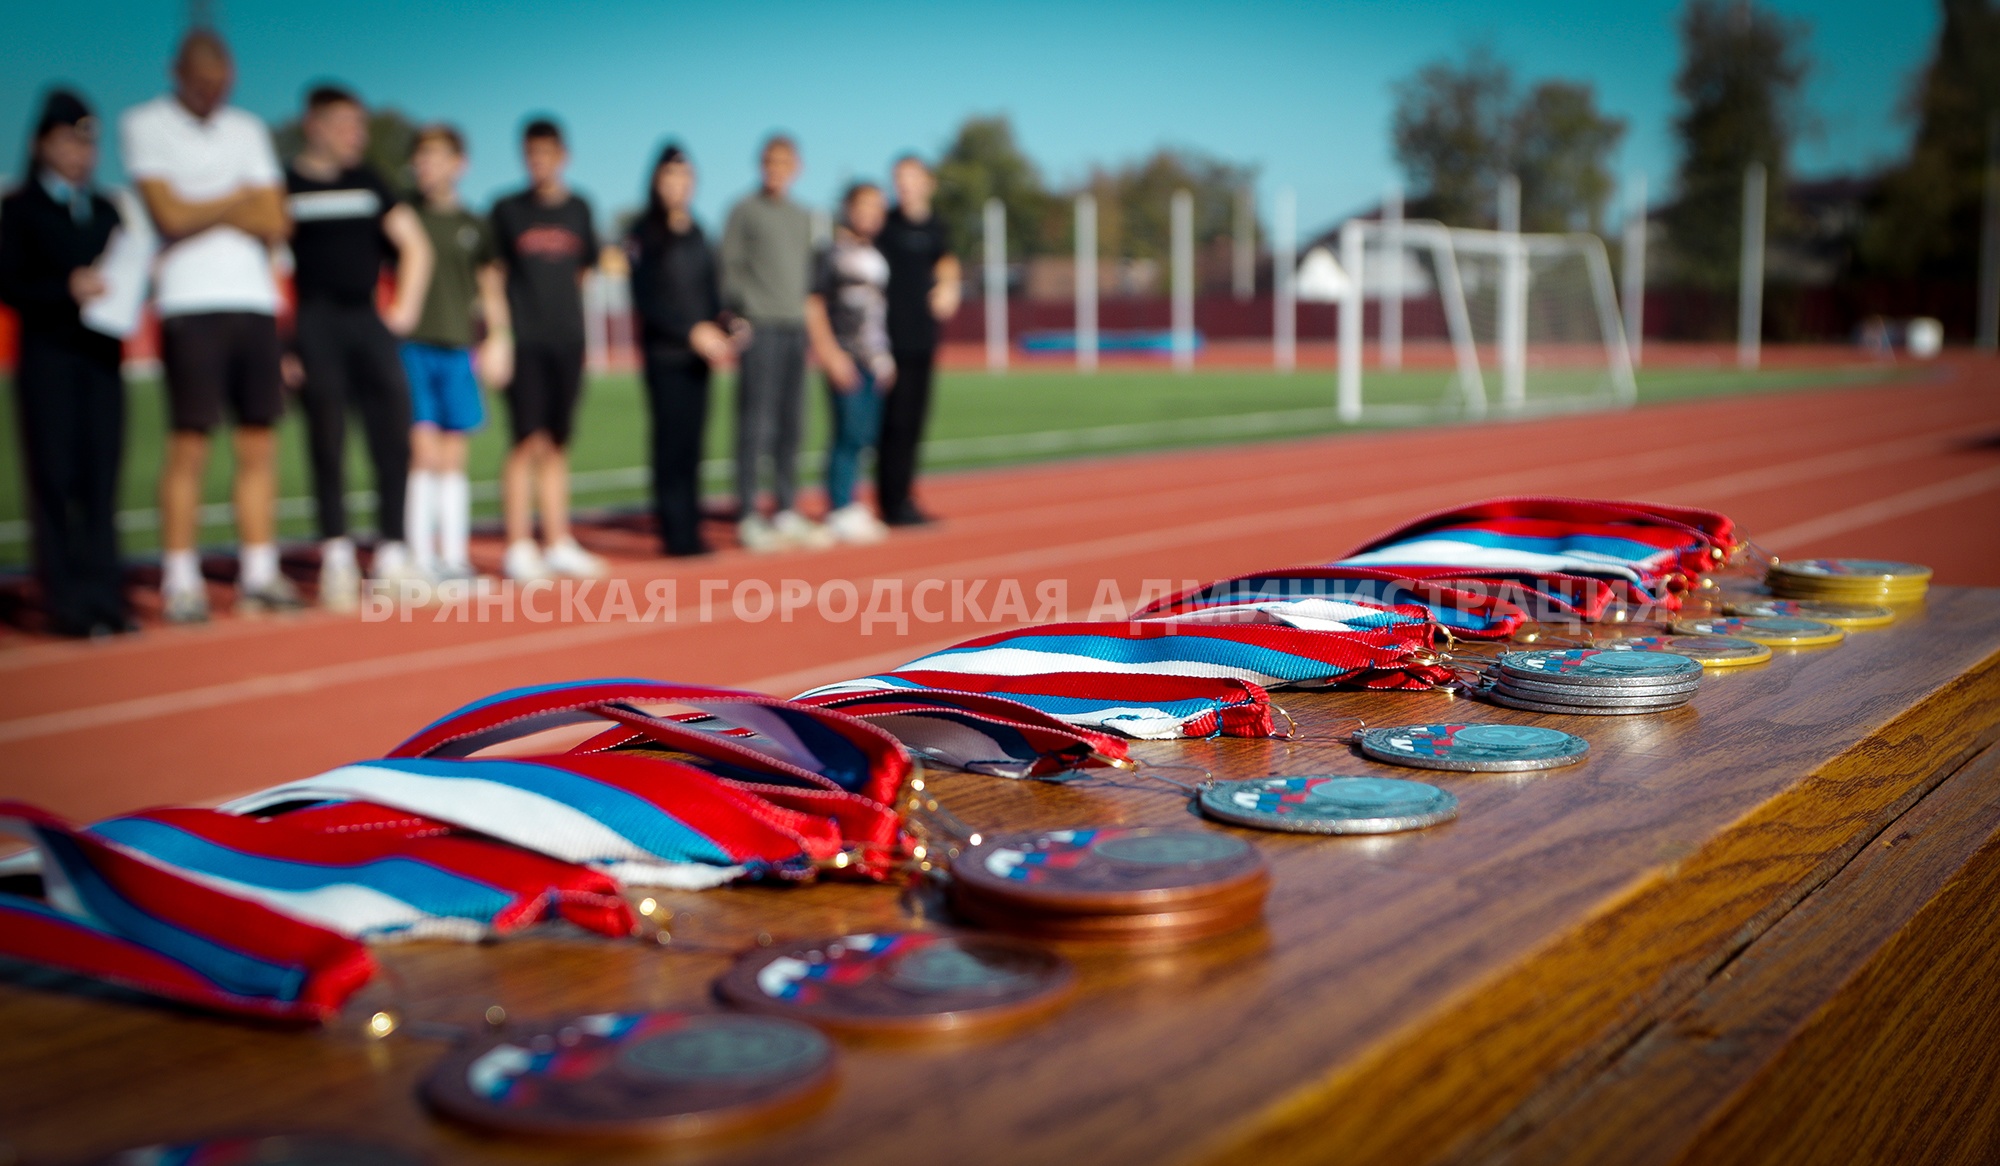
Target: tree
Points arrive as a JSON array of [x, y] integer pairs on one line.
[[1561, 151], [1741, 71], [1459, 129], [1927, 221], [1453, 133], [984, 162], [1133, 216]]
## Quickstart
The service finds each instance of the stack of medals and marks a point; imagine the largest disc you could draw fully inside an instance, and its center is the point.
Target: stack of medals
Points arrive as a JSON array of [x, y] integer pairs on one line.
[[1115, 884], [1875, 581], [1593, 682]]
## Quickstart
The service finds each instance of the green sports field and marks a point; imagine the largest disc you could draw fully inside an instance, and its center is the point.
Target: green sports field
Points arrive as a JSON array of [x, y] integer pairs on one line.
[[979, 419]]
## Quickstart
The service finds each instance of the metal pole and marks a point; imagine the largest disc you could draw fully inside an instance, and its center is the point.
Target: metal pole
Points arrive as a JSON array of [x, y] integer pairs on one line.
[[1750, 278], [1086, 282], [1632, 273], [1243, 274], [1513, 322], [1348, 397], [1284, 281], [1392, 278], [1181, 218], [1988, 324], [996, 285]]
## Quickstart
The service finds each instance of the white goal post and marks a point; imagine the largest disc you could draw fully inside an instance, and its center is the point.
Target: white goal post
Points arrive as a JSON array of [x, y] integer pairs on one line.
[[1576, 307]]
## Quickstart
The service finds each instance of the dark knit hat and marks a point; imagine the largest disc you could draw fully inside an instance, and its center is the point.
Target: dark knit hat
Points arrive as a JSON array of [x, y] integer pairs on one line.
[[64, 108]]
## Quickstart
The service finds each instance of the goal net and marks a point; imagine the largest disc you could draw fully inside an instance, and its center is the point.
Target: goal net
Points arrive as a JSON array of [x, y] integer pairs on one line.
[[1453, 320]]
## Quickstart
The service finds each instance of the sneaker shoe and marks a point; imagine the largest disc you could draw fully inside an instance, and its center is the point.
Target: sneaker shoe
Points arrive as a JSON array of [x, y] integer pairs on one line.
[[278, 595], [855, 524], [394, 564], [189, 606], [339, 585], [796, 530], [757, 536], [456, 573], [908, 515], [568, 559], [524, 562]]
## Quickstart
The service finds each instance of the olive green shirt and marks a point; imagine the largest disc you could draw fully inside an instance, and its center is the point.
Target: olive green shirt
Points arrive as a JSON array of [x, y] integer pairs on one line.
[[767, 258], [462, 243]]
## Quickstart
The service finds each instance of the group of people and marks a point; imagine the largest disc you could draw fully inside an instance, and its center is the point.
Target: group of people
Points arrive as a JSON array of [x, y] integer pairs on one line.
[[496, 298]]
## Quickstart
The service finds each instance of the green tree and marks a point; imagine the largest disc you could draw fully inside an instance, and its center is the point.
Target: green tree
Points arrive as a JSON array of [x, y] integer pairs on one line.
[[1927, 221], [982, 162], [1134, 216], [1459, 128], [1453, 131], [1741, 71], [1561, 151]]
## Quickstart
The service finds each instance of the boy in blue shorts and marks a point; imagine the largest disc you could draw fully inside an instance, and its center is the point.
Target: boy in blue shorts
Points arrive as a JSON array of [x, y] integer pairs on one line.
[[444, 392]]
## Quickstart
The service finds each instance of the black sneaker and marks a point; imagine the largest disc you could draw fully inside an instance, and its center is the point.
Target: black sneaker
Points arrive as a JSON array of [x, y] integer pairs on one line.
[[908, 515]]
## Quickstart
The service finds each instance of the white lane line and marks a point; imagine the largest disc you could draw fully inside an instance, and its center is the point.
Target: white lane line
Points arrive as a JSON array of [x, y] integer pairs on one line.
[[1885, 509]]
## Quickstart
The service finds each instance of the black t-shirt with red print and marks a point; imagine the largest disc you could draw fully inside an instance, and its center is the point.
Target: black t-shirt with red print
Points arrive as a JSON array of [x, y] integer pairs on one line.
[[545, 248]]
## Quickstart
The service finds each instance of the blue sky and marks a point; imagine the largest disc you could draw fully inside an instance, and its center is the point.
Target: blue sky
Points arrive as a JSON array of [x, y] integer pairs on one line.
[[1300, 90]]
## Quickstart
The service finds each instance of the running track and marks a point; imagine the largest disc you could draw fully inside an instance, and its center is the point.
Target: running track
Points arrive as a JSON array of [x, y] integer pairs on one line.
[[1908, 471]]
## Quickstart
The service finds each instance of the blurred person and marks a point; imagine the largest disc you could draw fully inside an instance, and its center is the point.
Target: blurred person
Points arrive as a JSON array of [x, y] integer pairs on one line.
[[924, 287], [466, 284], [847, 320], [212, 186], [68, 394], [767, 257], [346, 225], [547, 243], [678, 298]]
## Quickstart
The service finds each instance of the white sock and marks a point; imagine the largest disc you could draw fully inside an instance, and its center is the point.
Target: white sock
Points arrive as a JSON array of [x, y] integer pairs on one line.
[[180, 572], [454, 511], [335, 554], [259, 565], [421, 518]]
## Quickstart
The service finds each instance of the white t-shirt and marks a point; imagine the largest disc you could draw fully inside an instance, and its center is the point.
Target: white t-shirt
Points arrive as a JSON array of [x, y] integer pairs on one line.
[[221, 269]]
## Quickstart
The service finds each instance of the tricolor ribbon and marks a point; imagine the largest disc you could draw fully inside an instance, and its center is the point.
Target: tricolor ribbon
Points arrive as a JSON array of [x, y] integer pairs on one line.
[[110, 915], [978, 732], [1462, 601]]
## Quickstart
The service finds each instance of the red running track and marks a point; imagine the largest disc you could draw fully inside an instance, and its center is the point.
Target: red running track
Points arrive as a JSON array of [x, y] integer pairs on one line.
[[1907, 471]]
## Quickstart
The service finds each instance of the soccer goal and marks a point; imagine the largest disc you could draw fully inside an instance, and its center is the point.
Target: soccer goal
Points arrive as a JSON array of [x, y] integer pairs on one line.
[[1469, 321]]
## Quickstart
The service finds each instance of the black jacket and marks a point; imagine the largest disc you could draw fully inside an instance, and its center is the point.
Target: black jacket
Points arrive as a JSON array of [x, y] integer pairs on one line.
[[40, 244], [674, 284]]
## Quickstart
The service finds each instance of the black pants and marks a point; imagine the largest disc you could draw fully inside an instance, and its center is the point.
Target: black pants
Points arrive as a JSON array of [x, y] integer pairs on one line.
[[71, 404], [902, 429], [677, 390], [351, 359]]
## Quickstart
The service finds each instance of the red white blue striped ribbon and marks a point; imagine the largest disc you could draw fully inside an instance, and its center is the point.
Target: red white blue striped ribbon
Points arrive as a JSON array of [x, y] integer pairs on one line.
[[977, 731], [109, 915]]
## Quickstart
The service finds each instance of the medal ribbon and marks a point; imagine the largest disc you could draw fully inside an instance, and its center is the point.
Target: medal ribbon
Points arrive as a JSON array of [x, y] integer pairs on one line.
[[109, 915], [1465, 603], [978, 732]]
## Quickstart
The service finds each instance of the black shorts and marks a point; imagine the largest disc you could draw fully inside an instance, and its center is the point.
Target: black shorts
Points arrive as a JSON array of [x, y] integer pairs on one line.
[[548, 380], [213, 357]]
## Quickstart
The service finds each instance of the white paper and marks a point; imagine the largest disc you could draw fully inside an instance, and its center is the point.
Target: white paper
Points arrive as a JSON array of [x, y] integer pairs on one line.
[[127, 268]]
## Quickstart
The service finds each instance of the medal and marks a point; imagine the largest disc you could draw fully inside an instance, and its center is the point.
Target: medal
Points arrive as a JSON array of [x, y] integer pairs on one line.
[[1849, 580], [1845, 615], [1621, 709], [1777, 631], [1329, 804], [1474, 748], [1593, 682], [1122, 884], [1709, 651], [903, 983], [638, 1075]]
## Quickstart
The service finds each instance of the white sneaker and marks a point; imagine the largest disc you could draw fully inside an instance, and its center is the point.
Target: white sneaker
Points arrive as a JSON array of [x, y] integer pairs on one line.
[[796, 530], [524, 562], [854, 523], [756, 536], [568, 559], [339, 585], [394, 564]]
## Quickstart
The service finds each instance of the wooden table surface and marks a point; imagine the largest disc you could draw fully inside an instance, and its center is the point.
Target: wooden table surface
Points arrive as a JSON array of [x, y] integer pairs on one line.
[[1762, 928]]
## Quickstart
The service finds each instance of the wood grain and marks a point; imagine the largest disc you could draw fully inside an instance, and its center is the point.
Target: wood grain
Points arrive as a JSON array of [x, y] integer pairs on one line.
[[1408, 998]]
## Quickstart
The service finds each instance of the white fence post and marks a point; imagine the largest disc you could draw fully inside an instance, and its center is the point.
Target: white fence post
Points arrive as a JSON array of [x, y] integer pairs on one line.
[[1284, 282], [996, 285], [1632, 270], [1348, 395], [1513, 322], [1086, 282], [1750, 278], [1181, 216], [1392, 278]]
